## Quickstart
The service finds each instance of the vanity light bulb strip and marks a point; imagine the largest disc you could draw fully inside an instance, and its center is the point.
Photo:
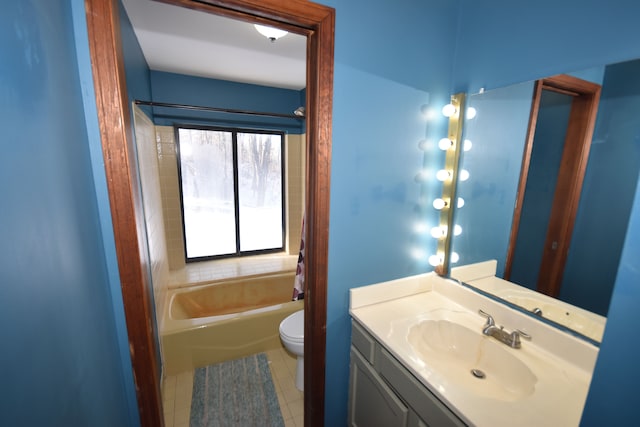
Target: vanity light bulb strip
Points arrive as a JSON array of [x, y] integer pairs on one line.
[[439, 232], [449, 175]]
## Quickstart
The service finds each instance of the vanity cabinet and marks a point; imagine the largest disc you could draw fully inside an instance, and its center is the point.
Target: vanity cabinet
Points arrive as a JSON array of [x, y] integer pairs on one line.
[[382, 392]]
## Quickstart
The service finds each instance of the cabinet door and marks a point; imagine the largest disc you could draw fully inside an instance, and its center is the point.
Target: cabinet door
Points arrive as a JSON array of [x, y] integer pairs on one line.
[[416, 421], [371, 402], [428, 407]]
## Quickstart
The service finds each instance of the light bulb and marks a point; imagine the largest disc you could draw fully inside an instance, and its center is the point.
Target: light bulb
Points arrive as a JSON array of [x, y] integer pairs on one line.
[[439, 203], [449, 110], [443, 175], [457, 230], [464, 175], [445, 143], [435, 260], [455, 257], [438, 232], [466, 146], [460, 202], [471, 113]]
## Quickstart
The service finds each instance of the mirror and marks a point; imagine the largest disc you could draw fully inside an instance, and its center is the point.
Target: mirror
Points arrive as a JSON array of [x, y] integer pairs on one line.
[[509, 127]]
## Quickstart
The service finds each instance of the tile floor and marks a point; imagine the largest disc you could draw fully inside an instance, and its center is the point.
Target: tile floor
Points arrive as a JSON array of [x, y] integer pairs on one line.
[[176, 392]]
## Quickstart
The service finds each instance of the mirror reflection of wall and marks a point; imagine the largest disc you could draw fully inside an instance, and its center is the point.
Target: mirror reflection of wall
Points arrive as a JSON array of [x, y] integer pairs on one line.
[[499, 134]]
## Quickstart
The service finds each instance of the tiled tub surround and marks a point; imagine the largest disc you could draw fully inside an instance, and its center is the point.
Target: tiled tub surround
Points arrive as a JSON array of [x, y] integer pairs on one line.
[[225, 320], [561, 363], [197, 273]]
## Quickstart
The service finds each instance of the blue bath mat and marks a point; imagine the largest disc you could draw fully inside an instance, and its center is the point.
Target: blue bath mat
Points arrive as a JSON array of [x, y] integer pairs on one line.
[[235, 393]]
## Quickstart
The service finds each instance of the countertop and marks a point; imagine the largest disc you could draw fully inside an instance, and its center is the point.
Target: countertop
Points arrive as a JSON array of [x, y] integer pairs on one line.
[[561, 363]]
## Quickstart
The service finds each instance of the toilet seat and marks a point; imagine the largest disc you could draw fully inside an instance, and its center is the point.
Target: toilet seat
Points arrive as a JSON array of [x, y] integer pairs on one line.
[[292, 327]]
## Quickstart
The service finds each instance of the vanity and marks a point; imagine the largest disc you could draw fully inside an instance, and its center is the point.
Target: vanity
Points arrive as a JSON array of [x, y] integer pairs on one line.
[[422, 354]]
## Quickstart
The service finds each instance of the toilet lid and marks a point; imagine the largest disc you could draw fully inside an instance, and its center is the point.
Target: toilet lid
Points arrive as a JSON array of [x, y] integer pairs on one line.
[[292, 327]]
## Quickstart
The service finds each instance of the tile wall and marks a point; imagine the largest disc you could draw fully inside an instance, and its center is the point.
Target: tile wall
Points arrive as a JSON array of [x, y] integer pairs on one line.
[[168, 173], [145, 136]]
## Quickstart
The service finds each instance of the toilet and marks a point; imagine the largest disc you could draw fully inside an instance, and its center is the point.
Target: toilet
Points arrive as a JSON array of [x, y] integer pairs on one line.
[[292, 336]]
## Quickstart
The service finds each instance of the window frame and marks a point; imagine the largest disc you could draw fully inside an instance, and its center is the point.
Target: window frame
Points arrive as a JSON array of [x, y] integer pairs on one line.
[[234, 132]]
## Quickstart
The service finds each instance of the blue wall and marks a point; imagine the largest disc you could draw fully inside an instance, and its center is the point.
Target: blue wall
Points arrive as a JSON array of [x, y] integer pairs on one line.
[[497, 47], [612, 174], [613, 397], [181, 89], [389, 62], [61, 359], [137, 72], [500, 41]]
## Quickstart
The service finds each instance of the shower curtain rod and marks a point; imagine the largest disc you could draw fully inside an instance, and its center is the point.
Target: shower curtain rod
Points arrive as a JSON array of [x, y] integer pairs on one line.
[[218, 110]]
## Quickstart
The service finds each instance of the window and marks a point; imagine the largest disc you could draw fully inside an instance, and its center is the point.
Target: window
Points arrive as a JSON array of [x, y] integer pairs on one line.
[[232, 191]]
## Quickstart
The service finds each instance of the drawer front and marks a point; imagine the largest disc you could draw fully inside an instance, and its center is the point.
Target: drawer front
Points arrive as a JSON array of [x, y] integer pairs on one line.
[[363, 341], [427, 406]]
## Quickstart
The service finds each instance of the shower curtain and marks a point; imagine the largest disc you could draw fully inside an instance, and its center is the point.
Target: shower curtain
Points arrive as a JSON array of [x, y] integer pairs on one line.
[[298, 283]]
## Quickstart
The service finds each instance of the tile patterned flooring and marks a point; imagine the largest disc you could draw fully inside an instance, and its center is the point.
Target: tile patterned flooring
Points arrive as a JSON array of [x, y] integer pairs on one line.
[[177, 389]]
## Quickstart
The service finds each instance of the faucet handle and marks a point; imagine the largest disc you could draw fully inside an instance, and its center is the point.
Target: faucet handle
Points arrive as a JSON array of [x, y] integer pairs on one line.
[[515, 337], [490, 321]]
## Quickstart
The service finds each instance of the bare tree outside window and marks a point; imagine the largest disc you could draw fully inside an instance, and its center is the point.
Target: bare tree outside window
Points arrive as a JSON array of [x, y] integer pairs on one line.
[[232, 191], [260, 190]]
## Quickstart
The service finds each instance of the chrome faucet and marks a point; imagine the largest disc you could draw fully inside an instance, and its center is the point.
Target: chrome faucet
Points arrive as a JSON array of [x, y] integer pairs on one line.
[[511, 339]]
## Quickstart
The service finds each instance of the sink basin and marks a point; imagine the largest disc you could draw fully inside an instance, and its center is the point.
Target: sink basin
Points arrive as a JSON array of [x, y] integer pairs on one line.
[[479, 364]]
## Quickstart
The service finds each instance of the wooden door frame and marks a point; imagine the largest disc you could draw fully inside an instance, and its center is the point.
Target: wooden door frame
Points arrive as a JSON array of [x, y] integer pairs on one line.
[[317, 23], [575, 155]]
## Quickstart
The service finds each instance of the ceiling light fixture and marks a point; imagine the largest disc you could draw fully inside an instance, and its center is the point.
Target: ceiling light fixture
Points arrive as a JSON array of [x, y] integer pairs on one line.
[[271, 33]]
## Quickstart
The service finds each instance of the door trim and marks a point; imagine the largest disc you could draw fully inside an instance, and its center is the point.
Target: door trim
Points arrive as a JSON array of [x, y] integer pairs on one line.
[[575, 155], [315, 21]]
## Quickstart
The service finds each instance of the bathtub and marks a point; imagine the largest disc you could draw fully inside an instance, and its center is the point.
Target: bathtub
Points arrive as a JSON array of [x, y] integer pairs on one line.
[[218, 321]]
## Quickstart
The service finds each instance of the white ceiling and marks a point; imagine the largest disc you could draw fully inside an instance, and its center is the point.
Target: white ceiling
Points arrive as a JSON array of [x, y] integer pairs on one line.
[[184, 41]]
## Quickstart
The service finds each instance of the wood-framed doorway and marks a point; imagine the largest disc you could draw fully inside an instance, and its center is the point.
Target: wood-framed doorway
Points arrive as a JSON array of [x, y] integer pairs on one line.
[[317, 23], [575, 154]]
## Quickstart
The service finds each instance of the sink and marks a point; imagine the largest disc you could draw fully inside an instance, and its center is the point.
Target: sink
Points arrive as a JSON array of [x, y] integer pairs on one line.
[[477, 363]]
